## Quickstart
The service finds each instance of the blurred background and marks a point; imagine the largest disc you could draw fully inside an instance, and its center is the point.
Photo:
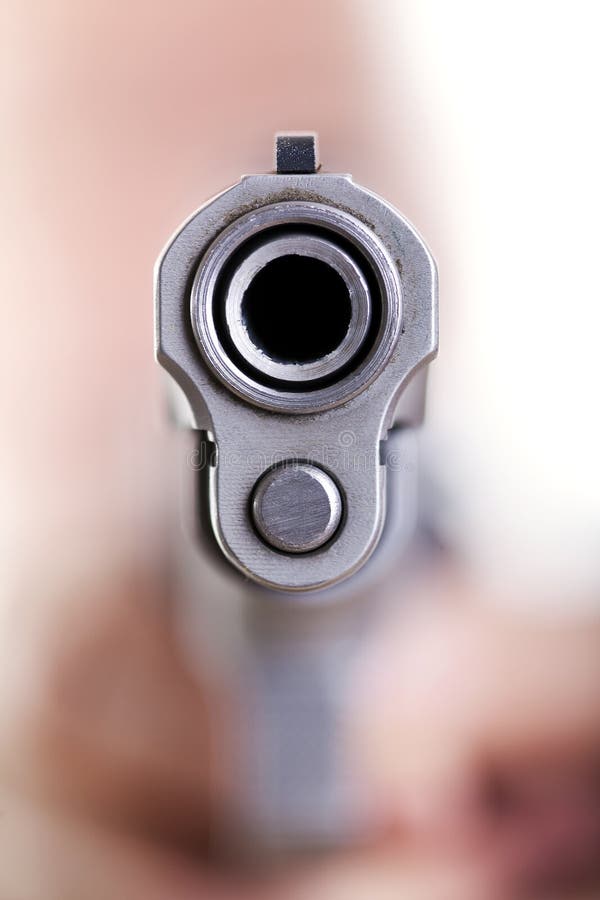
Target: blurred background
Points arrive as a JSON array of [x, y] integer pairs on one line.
[[470, 719]]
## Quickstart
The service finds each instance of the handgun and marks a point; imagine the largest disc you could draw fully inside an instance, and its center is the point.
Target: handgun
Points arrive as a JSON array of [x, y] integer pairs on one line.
[[296, 312]]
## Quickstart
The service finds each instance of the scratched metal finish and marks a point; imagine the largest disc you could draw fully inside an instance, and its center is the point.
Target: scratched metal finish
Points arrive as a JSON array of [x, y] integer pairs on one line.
[[345, 438], [297, 507]]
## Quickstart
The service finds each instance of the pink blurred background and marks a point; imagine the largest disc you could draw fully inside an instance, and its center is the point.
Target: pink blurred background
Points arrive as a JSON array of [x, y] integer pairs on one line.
[[478, 122]]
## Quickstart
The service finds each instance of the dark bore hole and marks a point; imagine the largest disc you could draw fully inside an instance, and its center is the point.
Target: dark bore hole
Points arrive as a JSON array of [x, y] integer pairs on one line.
[[297, 309]]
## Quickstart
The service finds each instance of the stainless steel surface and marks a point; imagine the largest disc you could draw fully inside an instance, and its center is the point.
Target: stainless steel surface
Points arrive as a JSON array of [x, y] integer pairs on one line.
[[356, 293], [257, 422], [274, 435], [292, 667], [272, 215], [296, 507]]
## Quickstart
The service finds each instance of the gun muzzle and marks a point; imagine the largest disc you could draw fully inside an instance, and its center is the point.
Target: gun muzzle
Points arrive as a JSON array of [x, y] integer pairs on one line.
[[293, 310]]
